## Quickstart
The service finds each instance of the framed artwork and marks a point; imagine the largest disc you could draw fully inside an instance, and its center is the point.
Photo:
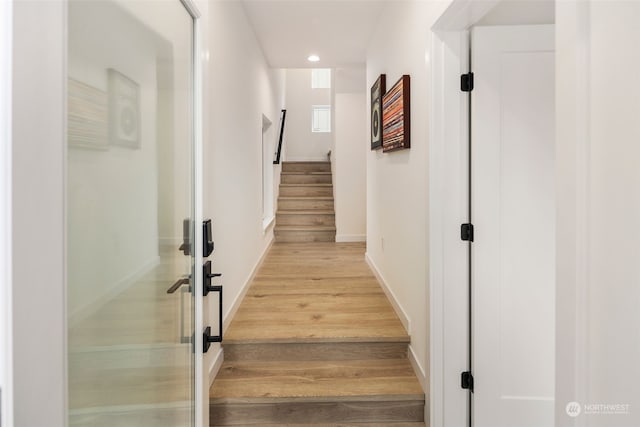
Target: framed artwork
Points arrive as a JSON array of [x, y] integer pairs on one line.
[[377, 90], [396, 117], [86, 116], [124, 110]]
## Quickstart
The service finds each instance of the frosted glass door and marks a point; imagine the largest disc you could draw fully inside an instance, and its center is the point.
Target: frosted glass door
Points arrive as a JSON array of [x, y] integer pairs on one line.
[[130, 214]]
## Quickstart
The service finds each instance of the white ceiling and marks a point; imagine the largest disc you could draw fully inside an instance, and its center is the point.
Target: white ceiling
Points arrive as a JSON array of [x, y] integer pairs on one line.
[[336, 30]]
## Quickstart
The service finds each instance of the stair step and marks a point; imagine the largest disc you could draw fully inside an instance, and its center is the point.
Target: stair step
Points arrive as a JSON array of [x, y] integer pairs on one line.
[[319, 173], [307, 303], [284, 235], [305, 203], [305, 178], [314, 218], [306, 166], [391, 413], [301, 233], [316, 392], [309, 190], [315, 351], [389, 424]]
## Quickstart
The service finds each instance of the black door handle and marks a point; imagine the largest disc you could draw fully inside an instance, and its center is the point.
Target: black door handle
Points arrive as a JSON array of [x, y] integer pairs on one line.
[[207, 275], [180, 282]]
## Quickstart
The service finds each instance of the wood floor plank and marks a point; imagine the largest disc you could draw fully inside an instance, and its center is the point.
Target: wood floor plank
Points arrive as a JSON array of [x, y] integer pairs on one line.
[[380, 379], [315, 291]]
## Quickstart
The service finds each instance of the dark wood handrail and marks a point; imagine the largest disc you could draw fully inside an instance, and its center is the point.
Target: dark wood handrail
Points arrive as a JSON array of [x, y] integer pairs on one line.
[[283, 116]]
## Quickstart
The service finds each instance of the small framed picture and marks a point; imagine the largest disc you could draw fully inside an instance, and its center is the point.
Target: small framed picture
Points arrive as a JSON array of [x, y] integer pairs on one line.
[[124, 110], [377, 90]]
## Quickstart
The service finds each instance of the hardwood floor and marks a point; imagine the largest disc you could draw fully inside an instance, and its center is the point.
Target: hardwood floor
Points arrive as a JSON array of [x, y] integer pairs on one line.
[[315, 292], [316, 342]]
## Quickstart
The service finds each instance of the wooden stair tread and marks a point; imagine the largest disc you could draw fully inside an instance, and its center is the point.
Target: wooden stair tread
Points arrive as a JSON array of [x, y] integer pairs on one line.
[[338, 425], [305, 198], [316, 381], [305, 173], [306, 185], [315, 292], [305, 228], [315, 212], [307, 162]]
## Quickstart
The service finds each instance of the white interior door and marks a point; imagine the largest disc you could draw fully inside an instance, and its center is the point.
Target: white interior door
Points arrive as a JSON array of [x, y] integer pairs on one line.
[[513, 211]]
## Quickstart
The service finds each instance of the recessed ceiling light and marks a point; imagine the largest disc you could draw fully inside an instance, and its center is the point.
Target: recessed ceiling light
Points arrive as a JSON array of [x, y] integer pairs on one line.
[[313, 58]]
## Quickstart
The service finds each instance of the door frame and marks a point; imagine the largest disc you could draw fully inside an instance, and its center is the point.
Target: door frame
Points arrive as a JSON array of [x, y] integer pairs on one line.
[[447, 208], [201, 387]]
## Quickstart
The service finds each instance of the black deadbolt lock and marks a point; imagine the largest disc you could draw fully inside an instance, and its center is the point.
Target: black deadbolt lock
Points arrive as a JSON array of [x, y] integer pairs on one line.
[[207, 240]]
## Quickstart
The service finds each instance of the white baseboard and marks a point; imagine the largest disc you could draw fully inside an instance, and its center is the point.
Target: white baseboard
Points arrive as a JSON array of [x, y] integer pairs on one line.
[[107, 293], [347, 238], [404, 319], [236, 303], [216, 364], [419, 371]]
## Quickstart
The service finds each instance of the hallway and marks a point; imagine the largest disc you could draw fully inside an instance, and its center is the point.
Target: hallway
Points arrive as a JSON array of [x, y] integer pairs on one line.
[[315, 340]]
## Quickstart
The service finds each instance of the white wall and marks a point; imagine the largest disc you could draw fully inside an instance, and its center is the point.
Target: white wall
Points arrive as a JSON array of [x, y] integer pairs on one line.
[[520, 12], [598, 344], [397, 211], [349, 156], [242, 88], [6, 364], [39, 327], [302, 144]]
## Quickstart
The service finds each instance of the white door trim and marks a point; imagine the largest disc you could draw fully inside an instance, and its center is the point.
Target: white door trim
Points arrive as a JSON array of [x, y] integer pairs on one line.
[[573, 147], [6, 349], [38, 200], [201, 386]]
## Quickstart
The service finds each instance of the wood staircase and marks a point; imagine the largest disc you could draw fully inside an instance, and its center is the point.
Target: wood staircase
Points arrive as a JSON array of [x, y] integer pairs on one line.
[[305, 203], [316, 342]]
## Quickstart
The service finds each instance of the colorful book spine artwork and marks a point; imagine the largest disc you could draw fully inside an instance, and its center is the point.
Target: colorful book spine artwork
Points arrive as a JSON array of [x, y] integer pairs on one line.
[[396, 116]]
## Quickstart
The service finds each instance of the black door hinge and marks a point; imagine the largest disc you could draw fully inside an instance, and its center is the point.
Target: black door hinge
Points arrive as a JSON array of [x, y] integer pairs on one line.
[[466, 82], [466, 232], [466, 381]]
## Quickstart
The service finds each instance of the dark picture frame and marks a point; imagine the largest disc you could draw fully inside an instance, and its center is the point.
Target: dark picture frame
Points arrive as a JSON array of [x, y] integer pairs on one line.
[[396, 116], [377, 91]]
